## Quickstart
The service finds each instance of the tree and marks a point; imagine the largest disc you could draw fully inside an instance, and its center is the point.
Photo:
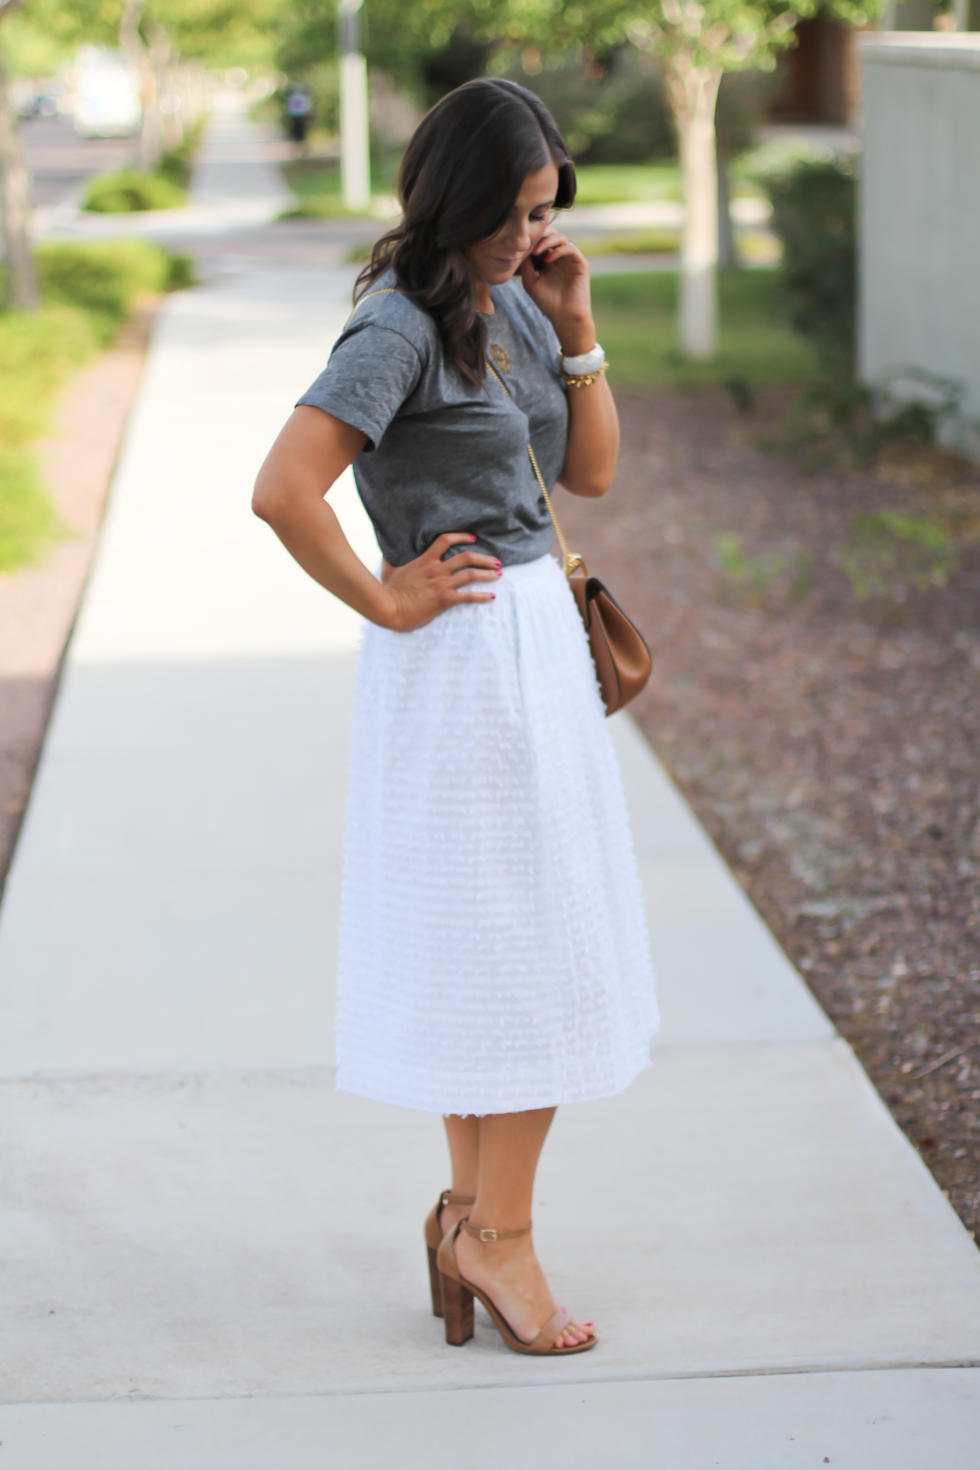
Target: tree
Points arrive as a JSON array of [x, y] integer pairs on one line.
[[15, 192], [697, 41]]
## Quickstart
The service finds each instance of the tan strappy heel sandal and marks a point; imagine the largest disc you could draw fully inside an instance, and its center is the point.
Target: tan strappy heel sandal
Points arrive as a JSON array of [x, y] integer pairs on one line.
[[458, 1294], [433, 1240]]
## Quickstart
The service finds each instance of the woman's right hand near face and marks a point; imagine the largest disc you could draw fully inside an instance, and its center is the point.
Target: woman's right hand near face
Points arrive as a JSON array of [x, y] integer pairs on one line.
[[422, 589]]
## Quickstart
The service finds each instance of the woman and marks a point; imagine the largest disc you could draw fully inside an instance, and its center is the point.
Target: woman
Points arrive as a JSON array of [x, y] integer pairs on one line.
[[493, 959]]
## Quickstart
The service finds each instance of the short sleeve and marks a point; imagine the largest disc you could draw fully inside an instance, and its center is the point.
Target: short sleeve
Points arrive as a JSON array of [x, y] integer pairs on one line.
[[370, 373]]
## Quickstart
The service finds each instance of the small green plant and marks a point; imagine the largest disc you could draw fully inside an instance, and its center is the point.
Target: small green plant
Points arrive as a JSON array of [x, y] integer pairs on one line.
[[130, 192], [890, 550], [749, 577]]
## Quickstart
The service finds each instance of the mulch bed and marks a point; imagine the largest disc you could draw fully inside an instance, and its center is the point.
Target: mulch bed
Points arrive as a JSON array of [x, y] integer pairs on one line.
[[816, 696]]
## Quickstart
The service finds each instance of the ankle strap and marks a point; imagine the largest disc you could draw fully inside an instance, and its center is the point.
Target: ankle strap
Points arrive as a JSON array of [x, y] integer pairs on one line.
[[485, 1234], [448, 1198]]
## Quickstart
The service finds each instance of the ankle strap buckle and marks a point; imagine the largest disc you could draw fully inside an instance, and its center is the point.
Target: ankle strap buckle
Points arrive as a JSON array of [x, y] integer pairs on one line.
[[488, 1235]]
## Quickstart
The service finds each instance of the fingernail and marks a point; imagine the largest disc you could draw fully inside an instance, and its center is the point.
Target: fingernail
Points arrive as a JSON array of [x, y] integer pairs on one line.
[[493, 597], [497, 562], [472, 538], [499, 572]]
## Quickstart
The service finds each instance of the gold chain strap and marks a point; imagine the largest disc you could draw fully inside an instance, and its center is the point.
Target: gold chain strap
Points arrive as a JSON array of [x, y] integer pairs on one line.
[[571, 559], [385, 291]]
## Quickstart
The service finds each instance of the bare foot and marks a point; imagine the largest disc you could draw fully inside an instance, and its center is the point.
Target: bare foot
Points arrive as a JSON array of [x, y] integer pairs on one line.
[[509, 1273]]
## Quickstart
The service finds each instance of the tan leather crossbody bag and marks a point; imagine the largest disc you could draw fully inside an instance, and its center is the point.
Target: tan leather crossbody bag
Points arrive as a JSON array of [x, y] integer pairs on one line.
[[619, 651]]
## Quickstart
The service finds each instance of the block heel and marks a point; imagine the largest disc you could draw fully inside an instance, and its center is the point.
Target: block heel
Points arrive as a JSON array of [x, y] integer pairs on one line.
[[457, 1310], [433, 1240], [434, 1285]]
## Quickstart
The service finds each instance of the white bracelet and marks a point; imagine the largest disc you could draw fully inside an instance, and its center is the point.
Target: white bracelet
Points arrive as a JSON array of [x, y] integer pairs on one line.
[[586, 362]]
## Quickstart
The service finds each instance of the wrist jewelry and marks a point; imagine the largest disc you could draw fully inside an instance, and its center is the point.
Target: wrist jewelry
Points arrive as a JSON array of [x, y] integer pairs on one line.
[[586, 362], [583, 380]]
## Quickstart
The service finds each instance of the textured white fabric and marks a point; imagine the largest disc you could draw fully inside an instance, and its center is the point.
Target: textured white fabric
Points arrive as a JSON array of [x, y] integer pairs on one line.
[[493, 952]]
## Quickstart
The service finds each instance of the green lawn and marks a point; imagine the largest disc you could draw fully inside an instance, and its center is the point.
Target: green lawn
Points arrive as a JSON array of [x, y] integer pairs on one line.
[[636, 322], [316, 184], [615, 183], [634, 242], [618, 183]]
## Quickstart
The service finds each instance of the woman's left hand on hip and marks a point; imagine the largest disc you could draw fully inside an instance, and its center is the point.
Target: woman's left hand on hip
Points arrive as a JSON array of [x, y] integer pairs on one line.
[[561, 290]]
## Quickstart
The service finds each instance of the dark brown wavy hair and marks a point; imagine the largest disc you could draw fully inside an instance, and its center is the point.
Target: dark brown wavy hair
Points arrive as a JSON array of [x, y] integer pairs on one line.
[[459, 178]]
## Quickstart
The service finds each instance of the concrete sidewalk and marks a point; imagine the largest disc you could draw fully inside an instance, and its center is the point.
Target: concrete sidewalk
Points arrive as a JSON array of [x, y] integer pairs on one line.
[[212, 1259]]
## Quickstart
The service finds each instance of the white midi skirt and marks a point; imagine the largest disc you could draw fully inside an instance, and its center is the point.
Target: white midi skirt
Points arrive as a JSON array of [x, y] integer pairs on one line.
[[493, 952]]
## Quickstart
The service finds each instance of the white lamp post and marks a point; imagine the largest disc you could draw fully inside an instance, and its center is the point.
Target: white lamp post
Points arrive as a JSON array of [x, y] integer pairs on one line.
[[355, 159]]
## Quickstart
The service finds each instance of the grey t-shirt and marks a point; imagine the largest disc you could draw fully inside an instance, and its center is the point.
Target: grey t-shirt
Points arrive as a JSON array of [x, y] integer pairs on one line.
[[441, 455]]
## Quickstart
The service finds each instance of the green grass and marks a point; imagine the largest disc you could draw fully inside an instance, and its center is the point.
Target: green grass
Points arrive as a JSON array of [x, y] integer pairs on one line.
[[28, 520], [88, 291], [637, 242], [616, 183], [620, 183], [316, 184], [636, 322]]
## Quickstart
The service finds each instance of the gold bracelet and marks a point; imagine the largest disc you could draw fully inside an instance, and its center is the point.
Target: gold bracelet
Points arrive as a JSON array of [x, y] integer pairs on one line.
[[584, 380]]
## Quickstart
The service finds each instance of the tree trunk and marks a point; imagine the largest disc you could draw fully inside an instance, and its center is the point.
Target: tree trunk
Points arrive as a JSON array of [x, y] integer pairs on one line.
[[147, 152], [172, 124], [161, 53], [693, 93], [15, 207], [727, 249]]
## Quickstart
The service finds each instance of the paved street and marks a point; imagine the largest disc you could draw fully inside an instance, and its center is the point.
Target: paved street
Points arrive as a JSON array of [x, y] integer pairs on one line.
[[213, 1259]]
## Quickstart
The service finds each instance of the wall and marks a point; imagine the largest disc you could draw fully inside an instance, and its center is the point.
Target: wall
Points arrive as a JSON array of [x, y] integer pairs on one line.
[[919, 255]]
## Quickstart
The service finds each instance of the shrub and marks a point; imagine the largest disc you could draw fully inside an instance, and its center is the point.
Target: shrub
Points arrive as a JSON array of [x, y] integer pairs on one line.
[[129, 192], [105, 279], [37, 350], [88, 291], [813, 214]]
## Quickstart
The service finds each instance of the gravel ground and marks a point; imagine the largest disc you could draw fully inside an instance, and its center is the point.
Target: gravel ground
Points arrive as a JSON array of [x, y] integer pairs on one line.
[[829, 740]]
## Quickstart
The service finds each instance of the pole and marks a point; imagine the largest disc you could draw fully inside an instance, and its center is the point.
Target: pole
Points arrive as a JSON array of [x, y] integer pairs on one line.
[[355, 157]]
